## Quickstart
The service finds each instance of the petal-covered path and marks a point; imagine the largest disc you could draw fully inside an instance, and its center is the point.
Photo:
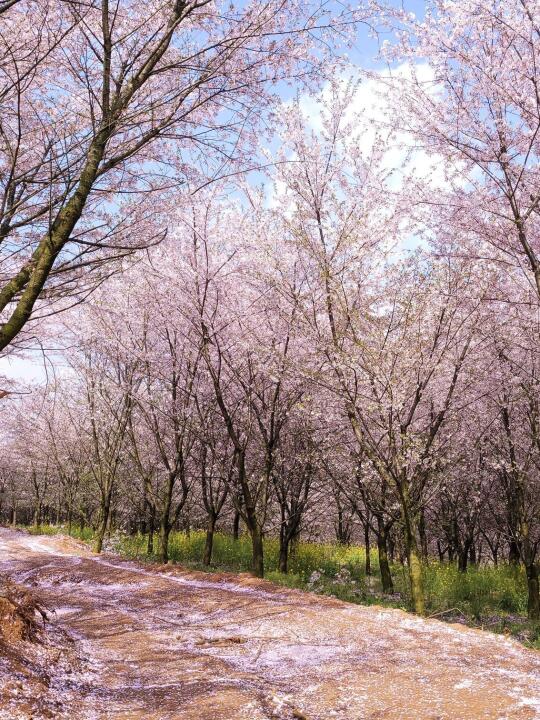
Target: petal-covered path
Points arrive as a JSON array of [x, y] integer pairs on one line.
[[161, 643]]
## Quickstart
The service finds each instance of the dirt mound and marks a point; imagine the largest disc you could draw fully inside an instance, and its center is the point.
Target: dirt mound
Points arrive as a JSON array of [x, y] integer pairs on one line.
[[20, 614], [12, 625], [37, 659]]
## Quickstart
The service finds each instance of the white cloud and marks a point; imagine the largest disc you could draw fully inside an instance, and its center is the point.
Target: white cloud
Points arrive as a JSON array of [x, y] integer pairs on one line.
[[28, 370], [372, 107]]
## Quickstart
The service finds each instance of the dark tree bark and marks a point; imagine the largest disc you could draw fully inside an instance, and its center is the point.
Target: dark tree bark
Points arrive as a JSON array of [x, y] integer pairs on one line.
[[382, 548], [236, 525]]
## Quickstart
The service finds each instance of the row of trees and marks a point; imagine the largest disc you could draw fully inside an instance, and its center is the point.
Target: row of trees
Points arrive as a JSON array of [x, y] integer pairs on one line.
[[267, 363], [272, 357]]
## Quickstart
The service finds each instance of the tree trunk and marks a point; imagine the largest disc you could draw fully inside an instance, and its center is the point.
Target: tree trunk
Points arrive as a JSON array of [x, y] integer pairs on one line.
[[384, 566], [284, 539], [463, 557], [69, 519], [294, 544], [533, 599], [104, 520], [423, 535], [236, 525], [110, 523], [368, 549], [165, 525], [440, 551], [257, 562], [342, 528], [37, 514], [283, 564], [99, 538], [413, 557], [207, 557], [151, 528], [513, 552], [415, 578], [164, 533], [391, 547], [479, 553]]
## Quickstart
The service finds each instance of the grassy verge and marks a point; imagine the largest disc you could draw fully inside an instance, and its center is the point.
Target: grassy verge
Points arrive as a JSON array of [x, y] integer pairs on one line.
[[493, 598]]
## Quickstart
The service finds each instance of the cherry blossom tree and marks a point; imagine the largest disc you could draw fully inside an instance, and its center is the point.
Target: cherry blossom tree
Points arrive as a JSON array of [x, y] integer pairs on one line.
[[108, 108], [470, 99], [476, 108]]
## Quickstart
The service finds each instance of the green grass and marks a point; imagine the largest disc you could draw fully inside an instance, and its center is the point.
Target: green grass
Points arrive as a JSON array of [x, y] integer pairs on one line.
[[491, 597], [86, 534], [479, 591]]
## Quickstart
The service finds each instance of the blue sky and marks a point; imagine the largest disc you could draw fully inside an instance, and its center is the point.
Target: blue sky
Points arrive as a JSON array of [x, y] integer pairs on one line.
[[366, 46]]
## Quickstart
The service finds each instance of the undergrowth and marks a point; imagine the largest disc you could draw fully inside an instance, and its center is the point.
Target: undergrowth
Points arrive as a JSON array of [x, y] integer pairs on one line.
[[491, 597]]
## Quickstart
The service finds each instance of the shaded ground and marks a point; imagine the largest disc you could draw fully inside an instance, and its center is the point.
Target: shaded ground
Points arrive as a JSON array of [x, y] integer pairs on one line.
[[127, 641]]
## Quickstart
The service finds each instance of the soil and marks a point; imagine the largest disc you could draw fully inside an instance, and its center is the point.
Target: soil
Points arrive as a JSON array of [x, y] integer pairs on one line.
[[127, 641]]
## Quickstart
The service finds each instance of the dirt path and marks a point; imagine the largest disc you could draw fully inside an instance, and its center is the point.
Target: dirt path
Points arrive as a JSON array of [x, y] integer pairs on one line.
[[167, 644]]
